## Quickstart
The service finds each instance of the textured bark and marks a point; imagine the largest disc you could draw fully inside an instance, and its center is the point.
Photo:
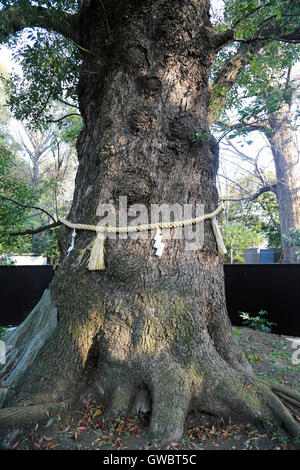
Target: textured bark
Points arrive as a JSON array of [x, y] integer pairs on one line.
[[146, 326], [287, 166]]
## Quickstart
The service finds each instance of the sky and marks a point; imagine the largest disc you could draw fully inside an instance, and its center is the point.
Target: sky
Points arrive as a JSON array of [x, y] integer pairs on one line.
[[7, 60]]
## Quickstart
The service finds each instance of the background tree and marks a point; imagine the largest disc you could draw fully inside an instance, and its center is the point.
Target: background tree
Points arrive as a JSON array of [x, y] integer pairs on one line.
[[264, 99], [46, 135], [46, 177], [246, 185], [159, 324], [4, 115], [238, 237], [14, 187], [36, 148]]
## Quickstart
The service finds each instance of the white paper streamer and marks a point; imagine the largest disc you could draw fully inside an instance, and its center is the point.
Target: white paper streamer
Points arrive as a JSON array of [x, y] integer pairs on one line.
[[72, 242], [160, 249], [159, 245]]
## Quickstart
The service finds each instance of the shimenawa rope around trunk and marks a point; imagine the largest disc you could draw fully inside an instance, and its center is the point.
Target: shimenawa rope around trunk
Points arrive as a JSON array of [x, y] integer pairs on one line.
[[96, 261]]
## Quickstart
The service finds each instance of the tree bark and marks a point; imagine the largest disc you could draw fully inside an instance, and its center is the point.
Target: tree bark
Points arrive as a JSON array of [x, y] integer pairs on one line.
[[144, 324], [287, 166]]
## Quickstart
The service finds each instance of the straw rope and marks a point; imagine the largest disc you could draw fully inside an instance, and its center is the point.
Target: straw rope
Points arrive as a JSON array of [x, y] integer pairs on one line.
[[96, 261], [140, 228]]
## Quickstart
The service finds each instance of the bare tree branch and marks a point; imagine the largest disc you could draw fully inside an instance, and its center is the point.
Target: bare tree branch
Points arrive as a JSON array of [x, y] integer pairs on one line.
[[64, 117], [37, 230], [265, 189], [240, 153], [67, 103], [244, 190]]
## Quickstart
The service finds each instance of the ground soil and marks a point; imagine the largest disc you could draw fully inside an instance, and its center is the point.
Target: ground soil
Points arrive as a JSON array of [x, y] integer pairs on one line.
[[83, 429]]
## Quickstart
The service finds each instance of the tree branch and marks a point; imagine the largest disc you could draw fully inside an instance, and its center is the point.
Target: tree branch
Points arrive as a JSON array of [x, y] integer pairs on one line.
[[293, 37], [219, 40], [15, 18], [37, 230], [64, 117], [251, 125], [250, 13], [244, 190], [228, 75], [68, 104], [27, 206], [264, 189]]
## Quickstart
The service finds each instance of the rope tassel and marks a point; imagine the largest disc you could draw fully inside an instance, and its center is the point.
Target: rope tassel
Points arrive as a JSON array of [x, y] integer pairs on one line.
[[96, 261], [218, 236]]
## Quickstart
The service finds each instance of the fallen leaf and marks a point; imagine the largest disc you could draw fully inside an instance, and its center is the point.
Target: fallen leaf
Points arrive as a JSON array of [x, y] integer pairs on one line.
[[49, 444], [175, 444], [117, 443]]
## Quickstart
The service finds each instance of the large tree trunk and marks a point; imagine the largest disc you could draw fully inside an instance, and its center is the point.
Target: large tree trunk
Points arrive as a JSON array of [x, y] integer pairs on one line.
[[287, 166], [158, 324]]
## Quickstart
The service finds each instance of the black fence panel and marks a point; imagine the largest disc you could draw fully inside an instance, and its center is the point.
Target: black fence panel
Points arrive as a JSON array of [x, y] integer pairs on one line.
[[249, 288], [21, 287], [271, 287]]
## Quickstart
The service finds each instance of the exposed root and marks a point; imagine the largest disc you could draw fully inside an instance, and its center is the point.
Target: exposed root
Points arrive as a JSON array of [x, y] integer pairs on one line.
[[21, 416], [170, 406], [283, 389], [289, 401], [121, 400], [164, 387], [289, 397], [279, 410]]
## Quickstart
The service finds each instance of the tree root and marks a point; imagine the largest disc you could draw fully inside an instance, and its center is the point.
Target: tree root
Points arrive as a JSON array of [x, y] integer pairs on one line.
[[279, 410], [289, 401], [18, 417], [21, 416], [283, 389]]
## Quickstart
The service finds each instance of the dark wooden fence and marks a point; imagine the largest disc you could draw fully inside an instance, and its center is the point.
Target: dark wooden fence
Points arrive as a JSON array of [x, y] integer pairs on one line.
[[21, 287], [249, 288], [271, 287]]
